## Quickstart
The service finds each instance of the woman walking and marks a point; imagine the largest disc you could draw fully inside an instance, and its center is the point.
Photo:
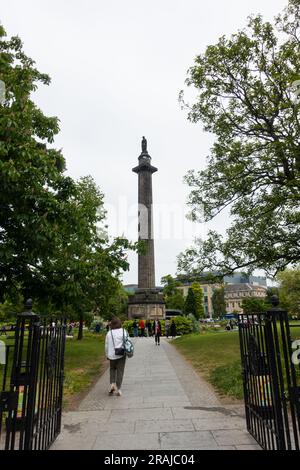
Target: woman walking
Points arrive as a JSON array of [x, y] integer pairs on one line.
[[157, 331], [114, 350]]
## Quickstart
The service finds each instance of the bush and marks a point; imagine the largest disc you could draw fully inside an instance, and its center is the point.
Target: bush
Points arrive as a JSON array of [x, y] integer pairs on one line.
[[184, 325], [127, 325], [195, 323]]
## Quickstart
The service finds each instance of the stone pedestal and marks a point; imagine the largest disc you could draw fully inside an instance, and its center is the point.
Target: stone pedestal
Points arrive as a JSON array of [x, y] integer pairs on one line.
[[148, 304]]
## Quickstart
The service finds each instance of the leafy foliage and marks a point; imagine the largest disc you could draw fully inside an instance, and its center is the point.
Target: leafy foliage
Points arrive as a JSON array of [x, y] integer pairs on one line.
[[53, 242], [289, 290], [173, 296], [254, 305], [218, 302], [190, 303], [194, 301], [245, 98]]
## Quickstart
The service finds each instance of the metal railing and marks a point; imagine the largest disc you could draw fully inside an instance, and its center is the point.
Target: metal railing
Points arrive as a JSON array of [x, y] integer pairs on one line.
[[32, 389], [271, 379]]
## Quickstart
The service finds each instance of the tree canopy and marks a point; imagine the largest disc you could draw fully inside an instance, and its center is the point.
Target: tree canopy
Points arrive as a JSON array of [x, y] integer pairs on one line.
[[173, 296], [246, 98], [53, 241], [289, 290]]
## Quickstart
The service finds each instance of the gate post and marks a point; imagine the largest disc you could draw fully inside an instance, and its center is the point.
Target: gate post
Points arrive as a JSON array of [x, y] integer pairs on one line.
[[28, 411], [274, 353]]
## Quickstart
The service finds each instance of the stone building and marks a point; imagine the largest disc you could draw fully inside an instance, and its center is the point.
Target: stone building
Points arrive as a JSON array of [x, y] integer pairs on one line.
[[235, 293], [208, 290]]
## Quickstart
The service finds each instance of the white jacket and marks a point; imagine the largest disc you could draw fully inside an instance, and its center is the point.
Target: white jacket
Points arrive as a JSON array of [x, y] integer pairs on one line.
[[118, 340]]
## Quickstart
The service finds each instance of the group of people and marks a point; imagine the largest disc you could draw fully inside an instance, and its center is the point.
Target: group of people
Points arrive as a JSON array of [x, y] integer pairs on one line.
[[149, 329], [114, 343]]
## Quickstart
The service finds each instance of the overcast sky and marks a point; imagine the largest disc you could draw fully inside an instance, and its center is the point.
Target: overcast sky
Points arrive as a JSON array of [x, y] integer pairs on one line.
[[117, 68]]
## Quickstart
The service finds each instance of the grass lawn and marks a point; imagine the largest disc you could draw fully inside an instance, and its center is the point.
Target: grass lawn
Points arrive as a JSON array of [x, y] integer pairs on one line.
[[216, 356], [85, 361]]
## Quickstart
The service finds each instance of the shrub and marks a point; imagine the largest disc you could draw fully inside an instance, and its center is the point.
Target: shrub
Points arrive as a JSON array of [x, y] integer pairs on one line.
[[184, 325], [195, 323], [127, 324]]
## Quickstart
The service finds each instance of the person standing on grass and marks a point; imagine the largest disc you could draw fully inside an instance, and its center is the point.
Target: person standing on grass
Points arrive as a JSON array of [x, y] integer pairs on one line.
[[157, 331], [113, 341]]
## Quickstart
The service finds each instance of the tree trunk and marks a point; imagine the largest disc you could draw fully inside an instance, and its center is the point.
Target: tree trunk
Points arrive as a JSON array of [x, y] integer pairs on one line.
[[80, 331]]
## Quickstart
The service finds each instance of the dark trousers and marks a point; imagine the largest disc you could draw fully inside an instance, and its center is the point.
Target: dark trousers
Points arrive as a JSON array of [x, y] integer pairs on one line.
[[157, 338], [117, 367]]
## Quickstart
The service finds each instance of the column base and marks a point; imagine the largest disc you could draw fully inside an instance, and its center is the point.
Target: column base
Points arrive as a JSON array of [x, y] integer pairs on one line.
[[147, 304]]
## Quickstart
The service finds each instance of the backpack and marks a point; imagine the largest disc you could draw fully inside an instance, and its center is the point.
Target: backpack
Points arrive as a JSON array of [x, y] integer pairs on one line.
[[128, 345]]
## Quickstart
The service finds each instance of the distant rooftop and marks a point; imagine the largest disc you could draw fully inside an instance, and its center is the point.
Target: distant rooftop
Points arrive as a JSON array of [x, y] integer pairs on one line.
[[242, 287], [215, 277]]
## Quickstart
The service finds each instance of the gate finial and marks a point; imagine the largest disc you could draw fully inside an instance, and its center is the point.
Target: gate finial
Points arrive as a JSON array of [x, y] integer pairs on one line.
[[274, 300], [28, 305]]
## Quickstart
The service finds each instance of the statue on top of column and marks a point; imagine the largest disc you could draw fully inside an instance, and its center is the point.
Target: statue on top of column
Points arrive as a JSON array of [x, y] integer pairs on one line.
[[144, 145]]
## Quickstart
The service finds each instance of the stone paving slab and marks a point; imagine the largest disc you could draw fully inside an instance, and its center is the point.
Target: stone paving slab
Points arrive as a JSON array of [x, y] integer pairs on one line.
[[171, 425], [127, 441], [234, 437], [188, 440], [165, 405]]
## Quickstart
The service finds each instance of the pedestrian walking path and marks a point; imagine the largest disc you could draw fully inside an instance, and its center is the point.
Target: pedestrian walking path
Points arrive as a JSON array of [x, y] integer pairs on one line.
[[165, 405]]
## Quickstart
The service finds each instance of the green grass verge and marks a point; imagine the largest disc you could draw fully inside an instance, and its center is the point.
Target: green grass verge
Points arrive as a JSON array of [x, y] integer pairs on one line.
[[216, 356], [84, 362]]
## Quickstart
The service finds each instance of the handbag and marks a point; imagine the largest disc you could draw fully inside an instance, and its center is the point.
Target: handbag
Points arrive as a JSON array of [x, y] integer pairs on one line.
[[118, 351]]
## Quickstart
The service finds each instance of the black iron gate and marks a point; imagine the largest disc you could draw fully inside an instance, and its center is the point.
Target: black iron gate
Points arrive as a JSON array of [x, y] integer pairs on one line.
[[271, 378], [32, 384]]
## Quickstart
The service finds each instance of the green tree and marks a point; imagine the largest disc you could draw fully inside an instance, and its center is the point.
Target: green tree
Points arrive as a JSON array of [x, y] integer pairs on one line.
[[173, 296], [289, 290], [53, 245], [253, 305], [218, 302], [199, 296], [190, 303], [176, 301], [32, 180], [245, 98]]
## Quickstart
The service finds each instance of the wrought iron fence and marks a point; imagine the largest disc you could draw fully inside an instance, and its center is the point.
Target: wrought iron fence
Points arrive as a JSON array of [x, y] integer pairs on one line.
[[32, 385], [271, 379]]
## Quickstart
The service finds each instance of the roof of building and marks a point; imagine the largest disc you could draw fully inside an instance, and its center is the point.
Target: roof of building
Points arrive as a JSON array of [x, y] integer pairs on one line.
[[243, 287]]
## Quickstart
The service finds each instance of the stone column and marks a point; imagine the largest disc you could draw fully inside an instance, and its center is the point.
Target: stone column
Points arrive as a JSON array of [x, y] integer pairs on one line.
[[146, 265], [147, 302]]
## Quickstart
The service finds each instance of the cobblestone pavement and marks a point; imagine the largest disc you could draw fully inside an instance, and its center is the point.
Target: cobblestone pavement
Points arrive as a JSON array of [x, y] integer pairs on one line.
[[165, 405]]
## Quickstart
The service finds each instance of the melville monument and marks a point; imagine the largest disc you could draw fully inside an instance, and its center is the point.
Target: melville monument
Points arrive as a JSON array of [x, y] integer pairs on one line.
[[147, 302]]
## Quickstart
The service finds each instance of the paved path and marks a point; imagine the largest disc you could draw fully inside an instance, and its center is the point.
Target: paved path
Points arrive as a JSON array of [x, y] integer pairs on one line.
[[165, 405]]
